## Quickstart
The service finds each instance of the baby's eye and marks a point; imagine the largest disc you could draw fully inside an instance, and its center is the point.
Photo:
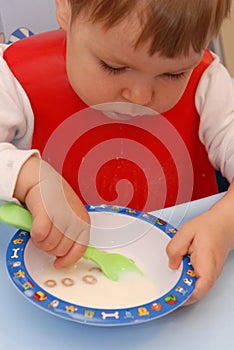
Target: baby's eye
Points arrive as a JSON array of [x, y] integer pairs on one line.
[[112, 70], [175, 76]]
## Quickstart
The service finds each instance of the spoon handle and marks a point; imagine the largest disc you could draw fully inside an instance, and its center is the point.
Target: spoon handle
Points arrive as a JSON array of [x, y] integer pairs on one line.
[[17, 216], [13, 215]]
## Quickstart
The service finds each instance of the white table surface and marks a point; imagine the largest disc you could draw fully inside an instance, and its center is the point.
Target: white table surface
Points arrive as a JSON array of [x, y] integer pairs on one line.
[[208, 324]]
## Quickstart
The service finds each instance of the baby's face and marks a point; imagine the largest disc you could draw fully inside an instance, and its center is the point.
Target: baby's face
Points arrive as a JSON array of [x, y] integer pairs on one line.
[[104, 66]]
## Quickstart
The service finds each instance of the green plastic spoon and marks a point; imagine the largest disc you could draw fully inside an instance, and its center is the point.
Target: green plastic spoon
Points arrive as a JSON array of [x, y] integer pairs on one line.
[[111, 264]]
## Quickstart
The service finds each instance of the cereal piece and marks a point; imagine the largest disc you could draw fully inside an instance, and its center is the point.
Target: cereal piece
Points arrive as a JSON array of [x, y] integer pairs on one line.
[[50, 283], [89, 279], [95, 268], [67, 282]]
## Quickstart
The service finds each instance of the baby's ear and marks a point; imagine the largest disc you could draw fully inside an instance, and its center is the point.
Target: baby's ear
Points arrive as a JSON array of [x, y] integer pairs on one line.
[[63, 13]]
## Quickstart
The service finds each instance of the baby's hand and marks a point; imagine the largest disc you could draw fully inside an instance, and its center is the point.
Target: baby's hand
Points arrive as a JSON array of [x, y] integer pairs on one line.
[[208, 239], [61, 223]]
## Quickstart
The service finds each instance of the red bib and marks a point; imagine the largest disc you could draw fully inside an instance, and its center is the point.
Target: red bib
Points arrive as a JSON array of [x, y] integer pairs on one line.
[[145, 163]]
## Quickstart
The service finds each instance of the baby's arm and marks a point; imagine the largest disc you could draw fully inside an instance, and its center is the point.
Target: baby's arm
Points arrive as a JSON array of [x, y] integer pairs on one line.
[[215, 105], [21, 174], [60, 220], [208, 239]]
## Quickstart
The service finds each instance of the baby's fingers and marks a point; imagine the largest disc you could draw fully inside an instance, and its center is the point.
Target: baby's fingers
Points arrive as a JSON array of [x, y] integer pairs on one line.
[[72, 255], [40, 230], [50, 242], [204, 283], [67, 251], [177, 248], [207, 268]]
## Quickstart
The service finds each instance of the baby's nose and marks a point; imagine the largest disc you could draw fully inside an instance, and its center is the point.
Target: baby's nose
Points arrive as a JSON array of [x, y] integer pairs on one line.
[[140, 94]]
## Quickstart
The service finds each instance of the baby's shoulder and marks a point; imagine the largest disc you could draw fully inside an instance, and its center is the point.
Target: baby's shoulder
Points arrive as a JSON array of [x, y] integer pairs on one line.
[[3, 47]]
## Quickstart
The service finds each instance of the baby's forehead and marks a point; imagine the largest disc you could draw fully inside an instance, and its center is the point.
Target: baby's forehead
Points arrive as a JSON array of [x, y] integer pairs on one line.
[[170, 27]]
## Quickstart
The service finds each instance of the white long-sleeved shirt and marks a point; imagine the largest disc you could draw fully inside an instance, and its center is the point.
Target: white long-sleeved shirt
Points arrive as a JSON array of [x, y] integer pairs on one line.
[[214, 102]]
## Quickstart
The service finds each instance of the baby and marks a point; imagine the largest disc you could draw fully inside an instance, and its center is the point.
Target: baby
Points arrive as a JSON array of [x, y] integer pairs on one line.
[[148, 53]]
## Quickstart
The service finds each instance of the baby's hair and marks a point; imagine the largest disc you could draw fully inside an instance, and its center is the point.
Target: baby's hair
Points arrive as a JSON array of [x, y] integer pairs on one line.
[[170, 26]]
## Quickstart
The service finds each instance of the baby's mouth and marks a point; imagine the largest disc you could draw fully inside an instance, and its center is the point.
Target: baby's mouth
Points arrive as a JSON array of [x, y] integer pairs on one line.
[[124, 110]]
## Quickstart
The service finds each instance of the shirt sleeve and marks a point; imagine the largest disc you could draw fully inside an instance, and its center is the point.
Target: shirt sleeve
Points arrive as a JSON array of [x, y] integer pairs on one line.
[[215, 104], [16, 128]]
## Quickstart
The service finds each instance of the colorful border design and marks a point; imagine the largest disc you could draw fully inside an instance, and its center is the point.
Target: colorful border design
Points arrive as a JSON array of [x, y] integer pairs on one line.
[[100, 317]]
